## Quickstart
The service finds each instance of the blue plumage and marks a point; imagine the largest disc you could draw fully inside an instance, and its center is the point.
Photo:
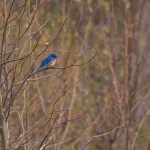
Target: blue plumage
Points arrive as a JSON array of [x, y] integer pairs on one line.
[[50, 58]]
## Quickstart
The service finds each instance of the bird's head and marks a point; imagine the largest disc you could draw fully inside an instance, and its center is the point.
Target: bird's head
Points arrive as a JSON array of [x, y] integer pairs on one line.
[[54, 55]]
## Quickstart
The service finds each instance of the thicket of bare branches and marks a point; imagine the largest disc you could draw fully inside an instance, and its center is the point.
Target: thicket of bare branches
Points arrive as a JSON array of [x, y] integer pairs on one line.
[[96, 96]]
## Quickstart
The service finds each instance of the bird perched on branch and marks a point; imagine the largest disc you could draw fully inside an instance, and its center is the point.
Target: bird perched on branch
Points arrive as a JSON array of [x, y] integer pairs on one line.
[[49, 59]]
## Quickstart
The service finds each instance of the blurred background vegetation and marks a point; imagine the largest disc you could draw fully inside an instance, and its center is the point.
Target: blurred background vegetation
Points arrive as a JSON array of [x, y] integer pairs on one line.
[[102, 103]]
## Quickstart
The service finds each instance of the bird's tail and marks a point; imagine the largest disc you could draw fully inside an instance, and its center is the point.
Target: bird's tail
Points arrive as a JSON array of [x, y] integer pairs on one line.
[[39, 68]]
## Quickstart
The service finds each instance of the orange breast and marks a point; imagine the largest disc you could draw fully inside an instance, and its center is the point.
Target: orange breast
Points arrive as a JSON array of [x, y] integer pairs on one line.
[[53, 62]]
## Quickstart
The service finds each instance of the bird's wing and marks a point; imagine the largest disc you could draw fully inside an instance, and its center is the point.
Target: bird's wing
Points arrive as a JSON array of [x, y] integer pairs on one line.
[[46, 61]]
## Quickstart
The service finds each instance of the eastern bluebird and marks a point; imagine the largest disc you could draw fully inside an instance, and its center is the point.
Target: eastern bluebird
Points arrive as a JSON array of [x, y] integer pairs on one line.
[[49, 59]]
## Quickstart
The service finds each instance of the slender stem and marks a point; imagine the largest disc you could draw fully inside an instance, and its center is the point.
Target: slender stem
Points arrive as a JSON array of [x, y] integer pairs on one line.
[[2, 126]]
